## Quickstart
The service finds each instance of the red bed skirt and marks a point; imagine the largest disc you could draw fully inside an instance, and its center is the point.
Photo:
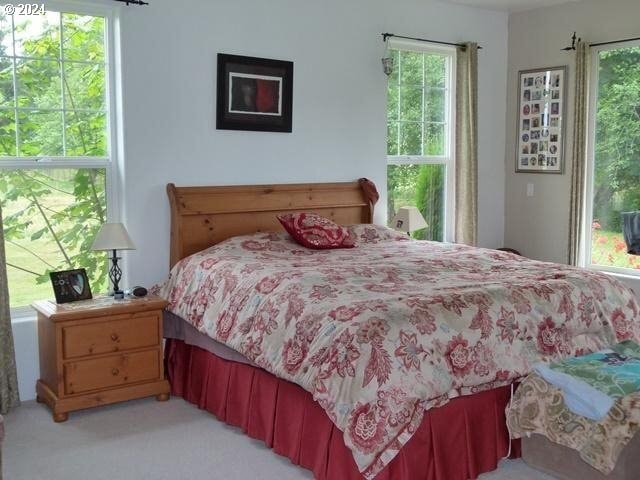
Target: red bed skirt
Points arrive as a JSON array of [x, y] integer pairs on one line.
[[458, 441]]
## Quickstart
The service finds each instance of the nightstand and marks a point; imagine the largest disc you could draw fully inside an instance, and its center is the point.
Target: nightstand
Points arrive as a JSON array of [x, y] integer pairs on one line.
[[99, 351]]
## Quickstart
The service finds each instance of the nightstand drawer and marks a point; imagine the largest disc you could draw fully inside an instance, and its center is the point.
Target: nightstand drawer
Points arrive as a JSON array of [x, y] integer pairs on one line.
[[111, 371], [110, 336]]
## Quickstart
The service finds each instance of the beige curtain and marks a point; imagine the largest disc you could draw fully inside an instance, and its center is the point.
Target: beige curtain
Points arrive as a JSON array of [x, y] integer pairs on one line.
[[466, 171], [8, 378], [578, 159]]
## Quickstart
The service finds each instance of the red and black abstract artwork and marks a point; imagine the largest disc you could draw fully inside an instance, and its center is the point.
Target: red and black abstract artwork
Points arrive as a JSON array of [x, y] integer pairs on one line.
[[254, 94]]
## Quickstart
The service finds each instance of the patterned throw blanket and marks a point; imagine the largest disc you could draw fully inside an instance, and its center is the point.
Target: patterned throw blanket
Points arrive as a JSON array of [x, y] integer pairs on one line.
[[383, 331], [539, 407]]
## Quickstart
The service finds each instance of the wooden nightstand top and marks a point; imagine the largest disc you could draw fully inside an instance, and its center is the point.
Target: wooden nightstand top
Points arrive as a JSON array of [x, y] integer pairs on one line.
[[97, 307]]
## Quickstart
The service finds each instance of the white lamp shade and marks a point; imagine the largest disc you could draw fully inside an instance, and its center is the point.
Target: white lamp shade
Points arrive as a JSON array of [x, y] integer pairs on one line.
[[113, 236], [408, 219]]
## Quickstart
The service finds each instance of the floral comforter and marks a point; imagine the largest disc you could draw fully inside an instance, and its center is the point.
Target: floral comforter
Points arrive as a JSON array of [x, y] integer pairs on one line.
[[381, 332]]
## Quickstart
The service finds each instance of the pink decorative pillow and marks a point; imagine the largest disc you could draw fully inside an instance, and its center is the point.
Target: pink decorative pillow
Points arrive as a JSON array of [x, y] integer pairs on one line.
[[315, 231]]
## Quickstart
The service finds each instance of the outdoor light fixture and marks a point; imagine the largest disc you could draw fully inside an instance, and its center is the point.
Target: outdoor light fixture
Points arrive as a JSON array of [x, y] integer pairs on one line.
[[387, 60]]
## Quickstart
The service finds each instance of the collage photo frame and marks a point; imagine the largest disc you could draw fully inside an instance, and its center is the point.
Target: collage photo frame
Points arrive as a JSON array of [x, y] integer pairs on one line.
[[541, 110]]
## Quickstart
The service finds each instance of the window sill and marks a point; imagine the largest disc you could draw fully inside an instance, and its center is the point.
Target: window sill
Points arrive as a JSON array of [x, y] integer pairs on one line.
[[628, 273], [23, 316], [623, 275], [631, 281]]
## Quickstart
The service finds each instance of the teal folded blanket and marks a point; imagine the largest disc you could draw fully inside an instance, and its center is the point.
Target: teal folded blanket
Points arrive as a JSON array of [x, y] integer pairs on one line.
[[614, 372]]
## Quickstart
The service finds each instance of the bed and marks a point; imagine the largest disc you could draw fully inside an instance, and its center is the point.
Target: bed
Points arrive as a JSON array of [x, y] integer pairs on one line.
[[347, 366]]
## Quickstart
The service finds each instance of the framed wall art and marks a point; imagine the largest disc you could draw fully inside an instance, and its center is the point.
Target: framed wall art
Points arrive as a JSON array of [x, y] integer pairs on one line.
[[254, 94], [541, 109], [71, 285]]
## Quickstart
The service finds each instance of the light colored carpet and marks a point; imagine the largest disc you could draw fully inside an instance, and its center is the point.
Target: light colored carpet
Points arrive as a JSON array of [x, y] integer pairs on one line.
[[149, 440]]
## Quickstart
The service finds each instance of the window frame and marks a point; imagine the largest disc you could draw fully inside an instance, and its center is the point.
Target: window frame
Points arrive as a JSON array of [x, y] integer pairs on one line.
[[448, 159], [585, 249], [111, 163]]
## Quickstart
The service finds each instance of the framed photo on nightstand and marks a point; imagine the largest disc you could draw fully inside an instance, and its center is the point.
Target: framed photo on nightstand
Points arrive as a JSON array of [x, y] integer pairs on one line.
[[71, 285], [541, 107]]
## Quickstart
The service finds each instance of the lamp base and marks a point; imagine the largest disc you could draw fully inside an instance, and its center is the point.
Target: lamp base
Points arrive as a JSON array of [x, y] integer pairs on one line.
[[115, 274]]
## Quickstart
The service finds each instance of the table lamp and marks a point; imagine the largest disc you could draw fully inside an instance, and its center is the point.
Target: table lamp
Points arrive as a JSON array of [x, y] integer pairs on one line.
[[408, 219], [113, 237]]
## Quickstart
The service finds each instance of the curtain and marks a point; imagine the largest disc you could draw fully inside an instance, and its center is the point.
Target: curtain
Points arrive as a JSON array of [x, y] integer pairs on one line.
[[466, 161], [579, 155], [8, 377]]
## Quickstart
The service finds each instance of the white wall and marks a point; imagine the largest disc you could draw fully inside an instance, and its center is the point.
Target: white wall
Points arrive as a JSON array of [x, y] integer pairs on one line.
[[25, 339], [169, 82], [339, 129], [539, 226]]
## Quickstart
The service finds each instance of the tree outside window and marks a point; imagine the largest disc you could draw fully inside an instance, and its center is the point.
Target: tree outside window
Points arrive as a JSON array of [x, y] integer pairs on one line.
[[616, 167], [54, 155], [418, 135]]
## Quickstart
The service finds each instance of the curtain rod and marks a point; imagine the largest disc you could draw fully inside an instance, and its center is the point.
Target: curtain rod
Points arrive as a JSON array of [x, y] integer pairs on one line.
[[135, 2], [615, 41], [573, 42], [385, 36]]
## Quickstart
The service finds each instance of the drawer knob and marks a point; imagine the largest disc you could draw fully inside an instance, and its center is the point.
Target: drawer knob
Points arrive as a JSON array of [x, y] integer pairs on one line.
[[115, 372], [115, 337]]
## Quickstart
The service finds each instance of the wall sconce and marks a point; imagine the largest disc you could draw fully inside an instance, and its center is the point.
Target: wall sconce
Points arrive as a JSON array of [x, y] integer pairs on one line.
[[387, 65], [387, 60]]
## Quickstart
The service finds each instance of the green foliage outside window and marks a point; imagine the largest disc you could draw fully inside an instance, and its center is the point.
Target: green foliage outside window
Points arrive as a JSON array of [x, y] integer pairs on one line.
[[617, 155], [416, 105], [416, 114], [422, 186], [58, 109], [430, 200]]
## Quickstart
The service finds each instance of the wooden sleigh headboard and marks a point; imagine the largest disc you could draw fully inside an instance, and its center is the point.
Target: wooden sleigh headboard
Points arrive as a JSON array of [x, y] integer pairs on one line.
[[204, 216]]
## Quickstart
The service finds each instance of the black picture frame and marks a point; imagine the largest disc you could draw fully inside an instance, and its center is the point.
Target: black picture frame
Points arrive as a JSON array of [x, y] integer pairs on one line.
[[254, 94], [71, 285]]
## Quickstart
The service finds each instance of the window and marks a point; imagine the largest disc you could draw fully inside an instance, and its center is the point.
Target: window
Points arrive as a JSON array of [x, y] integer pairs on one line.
[[613, 184], [56, 162], [419, 135]]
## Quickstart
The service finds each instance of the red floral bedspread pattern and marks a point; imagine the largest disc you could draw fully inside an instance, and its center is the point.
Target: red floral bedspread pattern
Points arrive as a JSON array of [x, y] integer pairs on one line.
[[384, 331]]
